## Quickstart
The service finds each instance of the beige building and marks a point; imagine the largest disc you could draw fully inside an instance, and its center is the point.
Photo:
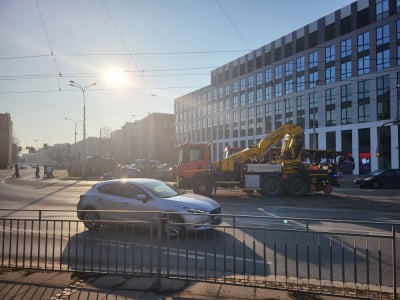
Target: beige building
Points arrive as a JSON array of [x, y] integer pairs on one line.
[[149, 138], [5, 140]]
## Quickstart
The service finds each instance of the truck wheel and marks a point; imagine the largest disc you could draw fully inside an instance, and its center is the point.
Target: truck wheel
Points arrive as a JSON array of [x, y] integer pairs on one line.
[[272, 186], [297, 187], [203, 187]]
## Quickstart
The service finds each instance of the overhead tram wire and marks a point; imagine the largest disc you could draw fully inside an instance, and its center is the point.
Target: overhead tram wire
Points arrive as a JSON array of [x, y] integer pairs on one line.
[[234, 26], [49, 44], [120, 36]]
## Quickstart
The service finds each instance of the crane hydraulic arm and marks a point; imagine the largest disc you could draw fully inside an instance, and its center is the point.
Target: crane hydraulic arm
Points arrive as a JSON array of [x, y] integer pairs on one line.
[[293, 134]]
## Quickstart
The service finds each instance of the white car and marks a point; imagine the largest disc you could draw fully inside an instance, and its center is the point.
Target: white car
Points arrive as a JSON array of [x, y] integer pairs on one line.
[[149, 201]]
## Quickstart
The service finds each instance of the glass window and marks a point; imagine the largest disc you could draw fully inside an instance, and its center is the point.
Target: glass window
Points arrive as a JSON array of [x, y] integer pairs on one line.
[[227, 90], [289, 69], [251, 97], [313, 79], [382, 60], [345, 70], [363, 65], [259, 95], [278, 90], [289, 87], [313, 109], [235, 86], [313, 59], [398, 29], [383, 97], [330, 75], [330, 53], [251, 82], [329, 97], [268, 75], [242, 84], [363, 89], [235, 101], [345, 48], [300, 64], [363, 42], [382, 9], [300, 100], [346, 107], [268, 92], [300, 83], [242, 99], [398, 55], [259, 78], [382, 35], [278, 72], [363, 101], [227, 104], [330, 107]]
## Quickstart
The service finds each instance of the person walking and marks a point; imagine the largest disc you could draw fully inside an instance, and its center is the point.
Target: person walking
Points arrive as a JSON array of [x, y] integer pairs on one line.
[[16, 173], [37, 172]]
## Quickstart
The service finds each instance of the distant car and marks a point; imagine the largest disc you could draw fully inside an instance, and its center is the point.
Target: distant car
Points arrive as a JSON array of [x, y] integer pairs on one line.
[[379, 179], [123, 172], [148, 201]]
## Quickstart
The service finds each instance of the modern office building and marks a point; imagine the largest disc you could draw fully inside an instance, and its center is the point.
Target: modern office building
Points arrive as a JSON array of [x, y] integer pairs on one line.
[[337, 77]]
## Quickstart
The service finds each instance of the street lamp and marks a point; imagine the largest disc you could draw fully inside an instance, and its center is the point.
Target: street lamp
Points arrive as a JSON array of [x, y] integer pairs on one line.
[[75, 122], [83, 88]]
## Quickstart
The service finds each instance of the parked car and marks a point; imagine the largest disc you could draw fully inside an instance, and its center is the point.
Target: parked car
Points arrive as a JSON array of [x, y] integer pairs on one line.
[[147, 201], [122, 172], [379, 178]]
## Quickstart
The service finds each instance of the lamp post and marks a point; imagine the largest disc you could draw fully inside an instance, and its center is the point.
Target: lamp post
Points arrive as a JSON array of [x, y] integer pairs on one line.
[[75, 122], [83, 88]]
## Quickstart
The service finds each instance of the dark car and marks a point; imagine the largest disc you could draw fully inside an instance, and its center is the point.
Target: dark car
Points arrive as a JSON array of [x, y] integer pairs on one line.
[[123, 172], [379, 178]]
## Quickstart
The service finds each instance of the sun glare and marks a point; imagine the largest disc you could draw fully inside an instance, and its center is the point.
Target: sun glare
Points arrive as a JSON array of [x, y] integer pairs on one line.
[[115, 76]]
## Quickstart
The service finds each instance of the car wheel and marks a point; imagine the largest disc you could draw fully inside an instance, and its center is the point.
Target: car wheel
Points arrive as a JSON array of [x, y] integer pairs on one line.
[[173, 226], [90, 219]]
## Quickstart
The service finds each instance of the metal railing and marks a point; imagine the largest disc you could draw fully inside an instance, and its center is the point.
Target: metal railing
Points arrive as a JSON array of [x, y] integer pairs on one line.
[[331, 257]]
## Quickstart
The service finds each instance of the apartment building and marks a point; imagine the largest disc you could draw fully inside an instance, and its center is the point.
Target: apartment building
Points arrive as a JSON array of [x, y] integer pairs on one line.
[[337, 77], [6, 141]]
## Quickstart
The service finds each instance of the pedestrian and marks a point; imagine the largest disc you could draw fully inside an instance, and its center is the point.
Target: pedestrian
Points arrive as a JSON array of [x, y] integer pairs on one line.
[[16, 173], [44, 171], [37, 172]]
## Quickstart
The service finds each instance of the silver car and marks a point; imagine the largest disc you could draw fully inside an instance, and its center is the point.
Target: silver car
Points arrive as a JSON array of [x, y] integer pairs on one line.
[[149, 201]]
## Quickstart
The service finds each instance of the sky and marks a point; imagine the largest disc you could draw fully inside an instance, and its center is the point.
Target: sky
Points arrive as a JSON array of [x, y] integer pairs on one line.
[[140, 54]]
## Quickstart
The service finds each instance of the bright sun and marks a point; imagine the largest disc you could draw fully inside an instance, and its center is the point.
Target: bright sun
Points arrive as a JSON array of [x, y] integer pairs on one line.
[[115, 76]]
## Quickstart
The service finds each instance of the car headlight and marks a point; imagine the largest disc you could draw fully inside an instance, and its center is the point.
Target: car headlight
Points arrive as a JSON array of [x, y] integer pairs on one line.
[[194, 210]]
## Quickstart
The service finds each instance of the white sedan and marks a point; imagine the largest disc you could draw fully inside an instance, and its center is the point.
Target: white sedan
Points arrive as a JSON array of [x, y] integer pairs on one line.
[[149, 201]]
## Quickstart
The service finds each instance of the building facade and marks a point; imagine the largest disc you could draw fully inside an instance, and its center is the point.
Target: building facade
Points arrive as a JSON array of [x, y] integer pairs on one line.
[[337, 77], [149, 138], [6, 141]]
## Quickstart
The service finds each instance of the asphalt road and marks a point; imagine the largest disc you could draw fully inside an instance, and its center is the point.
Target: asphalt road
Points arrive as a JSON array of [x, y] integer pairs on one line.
[[271, 236]]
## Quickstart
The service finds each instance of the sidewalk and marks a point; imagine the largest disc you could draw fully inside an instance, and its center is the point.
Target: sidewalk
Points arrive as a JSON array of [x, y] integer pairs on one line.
[[33, 284]]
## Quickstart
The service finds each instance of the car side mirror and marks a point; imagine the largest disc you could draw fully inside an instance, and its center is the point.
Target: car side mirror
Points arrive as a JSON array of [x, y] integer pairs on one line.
[[141, 197]]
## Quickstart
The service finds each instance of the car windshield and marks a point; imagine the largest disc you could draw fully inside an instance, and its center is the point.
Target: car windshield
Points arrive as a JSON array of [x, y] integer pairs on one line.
[[376, 172], [160, 189]]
